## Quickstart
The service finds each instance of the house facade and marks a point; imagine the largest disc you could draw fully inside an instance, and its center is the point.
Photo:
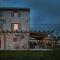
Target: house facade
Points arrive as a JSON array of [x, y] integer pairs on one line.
[[14, 28]]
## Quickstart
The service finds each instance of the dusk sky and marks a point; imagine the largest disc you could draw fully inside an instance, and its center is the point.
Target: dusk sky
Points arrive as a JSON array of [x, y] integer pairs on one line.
[[41, 12]]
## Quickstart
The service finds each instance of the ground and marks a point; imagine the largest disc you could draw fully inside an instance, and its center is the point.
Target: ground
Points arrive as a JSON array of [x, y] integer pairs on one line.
[[30, 55]]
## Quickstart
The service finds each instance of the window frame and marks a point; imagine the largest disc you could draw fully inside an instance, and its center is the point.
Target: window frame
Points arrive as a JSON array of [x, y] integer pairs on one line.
[[13, 27]]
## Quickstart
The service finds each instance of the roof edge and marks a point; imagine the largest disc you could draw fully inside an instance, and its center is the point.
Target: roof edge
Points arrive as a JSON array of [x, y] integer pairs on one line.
[[14, 8]]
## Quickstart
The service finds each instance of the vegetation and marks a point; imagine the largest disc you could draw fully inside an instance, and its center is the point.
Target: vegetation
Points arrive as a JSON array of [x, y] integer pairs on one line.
[[30, 55]]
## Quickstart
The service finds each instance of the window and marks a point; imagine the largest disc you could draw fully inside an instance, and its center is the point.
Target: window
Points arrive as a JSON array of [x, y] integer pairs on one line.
[[1, 14], [22, 36], [19, 14], [1, 24], [15, 26], [14, 39], [14, 13]]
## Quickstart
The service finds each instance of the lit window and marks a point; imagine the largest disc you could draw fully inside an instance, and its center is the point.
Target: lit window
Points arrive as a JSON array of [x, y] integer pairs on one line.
[[15, 27]]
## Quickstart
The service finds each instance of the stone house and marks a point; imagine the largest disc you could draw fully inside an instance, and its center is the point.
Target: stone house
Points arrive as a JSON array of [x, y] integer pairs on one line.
[[14, 28]]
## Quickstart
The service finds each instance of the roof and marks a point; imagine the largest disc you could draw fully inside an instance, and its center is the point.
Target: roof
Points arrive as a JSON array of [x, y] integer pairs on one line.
[[37, 35], [14, 8]]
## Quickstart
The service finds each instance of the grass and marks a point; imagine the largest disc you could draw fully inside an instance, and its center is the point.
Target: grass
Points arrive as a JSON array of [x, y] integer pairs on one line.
[[30, 55]]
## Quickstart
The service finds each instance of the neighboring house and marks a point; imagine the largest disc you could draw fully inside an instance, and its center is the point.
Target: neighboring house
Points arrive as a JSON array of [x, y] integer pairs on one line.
[[40, 40], [14, 28]]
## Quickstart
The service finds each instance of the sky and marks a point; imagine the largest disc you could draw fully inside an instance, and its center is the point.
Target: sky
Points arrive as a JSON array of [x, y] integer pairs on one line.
[[44, 14]]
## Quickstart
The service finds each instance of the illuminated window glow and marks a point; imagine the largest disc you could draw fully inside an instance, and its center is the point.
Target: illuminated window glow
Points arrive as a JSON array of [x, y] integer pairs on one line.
[[15, 27]]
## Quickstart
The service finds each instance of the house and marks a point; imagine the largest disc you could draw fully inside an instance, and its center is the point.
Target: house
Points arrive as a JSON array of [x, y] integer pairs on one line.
[[58, 41], [14, 28], [40, 40]]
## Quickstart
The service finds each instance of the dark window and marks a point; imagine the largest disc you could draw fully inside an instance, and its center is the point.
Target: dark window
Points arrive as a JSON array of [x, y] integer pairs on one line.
[[1, 24], [14, 39], [1, 14], [12, 14], [19, 15], [22, 36]]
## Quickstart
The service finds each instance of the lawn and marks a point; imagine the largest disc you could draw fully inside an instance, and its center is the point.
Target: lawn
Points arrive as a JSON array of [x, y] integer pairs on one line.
[[30, 55]]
